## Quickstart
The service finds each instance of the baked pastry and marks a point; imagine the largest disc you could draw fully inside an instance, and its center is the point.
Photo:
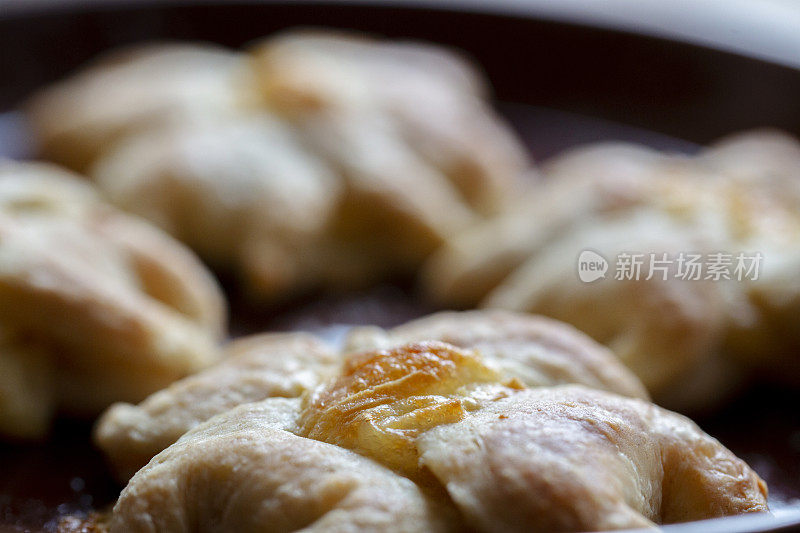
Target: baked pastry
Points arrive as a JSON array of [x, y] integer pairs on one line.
[[535, 350], [442, 440], [236, 190], [531, 350], [241, 471], [254, 368], [734, 204], [95, 306], [769, 158], [573, 459], [312, 160], [427, 103], [144, 86]]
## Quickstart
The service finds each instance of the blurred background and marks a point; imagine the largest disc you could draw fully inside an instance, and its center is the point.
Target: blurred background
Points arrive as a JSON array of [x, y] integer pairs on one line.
[[672, 75]]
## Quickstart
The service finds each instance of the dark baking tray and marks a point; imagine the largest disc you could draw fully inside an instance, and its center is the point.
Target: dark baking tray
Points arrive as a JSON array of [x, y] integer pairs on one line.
[[560, 84]]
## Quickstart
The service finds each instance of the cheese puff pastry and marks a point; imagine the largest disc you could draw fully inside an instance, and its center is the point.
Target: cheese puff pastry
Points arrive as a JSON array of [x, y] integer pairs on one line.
[[112, 306]]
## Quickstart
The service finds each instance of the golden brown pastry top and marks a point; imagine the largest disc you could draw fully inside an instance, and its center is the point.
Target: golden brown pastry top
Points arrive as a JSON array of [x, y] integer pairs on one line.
[[535, 350], [382, 401], [487, 353]]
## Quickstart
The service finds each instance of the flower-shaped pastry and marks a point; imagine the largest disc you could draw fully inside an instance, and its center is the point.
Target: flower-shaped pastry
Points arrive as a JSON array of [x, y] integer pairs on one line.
[[430, 436], [310, 160], [692, 333], [95, 306]]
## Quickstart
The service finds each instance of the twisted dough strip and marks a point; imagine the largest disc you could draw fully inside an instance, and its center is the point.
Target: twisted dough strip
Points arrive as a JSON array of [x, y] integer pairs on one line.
[[112, 306], [254, 368], [573, 459], [241, 471]]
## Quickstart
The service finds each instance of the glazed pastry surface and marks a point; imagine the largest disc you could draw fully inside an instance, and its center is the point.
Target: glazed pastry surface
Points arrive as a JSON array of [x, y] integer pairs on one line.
[[515, 350]]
